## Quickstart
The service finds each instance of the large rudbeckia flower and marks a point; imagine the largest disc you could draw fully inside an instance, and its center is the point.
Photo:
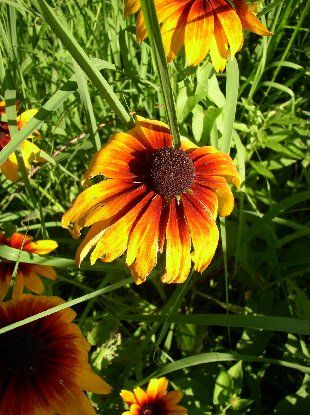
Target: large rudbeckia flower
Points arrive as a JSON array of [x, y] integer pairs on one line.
[[27, 274], [155, 197], [154, 401], [28, 149], [44, 364], [202, 26]]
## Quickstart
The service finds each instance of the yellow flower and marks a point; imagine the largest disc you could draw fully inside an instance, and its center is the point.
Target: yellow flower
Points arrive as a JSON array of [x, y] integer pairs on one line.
[[202, 27], [154, 401], [44, 365], [155, 198], [27, 274], [28, 150]]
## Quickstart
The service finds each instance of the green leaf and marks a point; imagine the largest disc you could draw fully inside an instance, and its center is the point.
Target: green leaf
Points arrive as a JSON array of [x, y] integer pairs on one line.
[[224, 386]]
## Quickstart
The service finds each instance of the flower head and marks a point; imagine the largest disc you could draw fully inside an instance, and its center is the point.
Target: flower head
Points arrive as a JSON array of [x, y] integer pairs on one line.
[[28, 149], [155, 198], [202, 26], [44, 364], [27, 274], [154, 401]]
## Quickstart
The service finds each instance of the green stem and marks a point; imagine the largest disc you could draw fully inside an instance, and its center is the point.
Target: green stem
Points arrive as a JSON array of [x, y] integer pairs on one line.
[[156, 42]]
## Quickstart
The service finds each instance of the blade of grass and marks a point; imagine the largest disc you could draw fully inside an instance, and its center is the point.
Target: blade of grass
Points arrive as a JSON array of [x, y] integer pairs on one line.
[[213, 357], [272, 323], [153, 30], [67, 304], [83, 61]]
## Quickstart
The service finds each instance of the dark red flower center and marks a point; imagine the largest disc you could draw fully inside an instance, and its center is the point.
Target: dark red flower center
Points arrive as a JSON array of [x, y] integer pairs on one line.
[[20, 349], [153, 409], [171, 172]]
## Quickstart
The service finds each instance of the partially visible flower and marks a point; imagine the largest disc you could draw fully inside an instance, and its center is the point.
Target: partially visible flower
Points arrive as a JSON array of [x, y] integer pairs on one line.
[[202, 26], [27, 274], [155, 198], [44, 365], [28, 149], [154, 401]]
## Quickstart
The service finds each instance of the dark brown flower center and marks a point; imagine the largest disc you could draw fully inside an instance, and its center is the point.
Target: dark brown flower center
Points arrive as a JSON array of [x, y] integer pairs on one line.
[[155, 408], [171, 172], [20, 349]]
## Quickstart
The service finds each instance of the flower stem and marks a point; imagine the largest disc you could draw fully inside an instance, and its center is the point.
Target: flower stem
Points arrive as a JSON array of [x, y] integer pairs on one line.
[[153, 30]]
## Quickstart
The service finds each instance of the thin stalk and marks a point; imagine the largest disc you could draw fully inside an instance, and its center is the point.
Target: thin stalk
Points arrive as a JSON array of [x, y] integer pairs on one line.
[[153, 30]]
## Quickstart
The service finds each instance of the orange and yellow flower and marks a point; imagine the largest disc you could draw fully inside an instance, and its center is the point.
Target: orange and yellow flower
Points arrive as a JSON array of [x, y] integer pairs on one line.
[[44, 365], [154, 198], [29, 150], [27, 274], [202, 27], [154, 401]]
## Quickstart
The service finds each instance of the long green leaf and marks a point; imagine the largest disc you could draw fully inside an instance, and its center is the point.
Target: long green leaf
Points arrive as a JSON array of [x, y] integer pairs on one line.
[[273, 323]]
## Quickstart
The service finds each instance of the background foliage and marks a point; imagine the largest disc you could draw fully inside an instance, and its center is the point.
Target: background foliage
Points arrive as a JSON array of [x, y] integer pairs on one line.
[[261, 265]]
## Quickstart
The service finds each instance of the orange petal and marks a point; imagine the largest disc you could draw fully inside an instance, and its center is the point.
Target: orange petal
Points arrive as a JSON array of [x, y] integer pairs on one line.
[[173, 397], [128, 397], [203, 231], [198, 32], [141, 396], [114, 242], [29, 152], [33, 282], [24, 117], [19, 240], [219, 46], [96, 194], [143, 241], [249, 20], [141, 28], [206, 196], [173, 29], [152, 134], [113, 208], [230, 23], [89, 381], [5, 279], [41, 247], [178, 258], [157, 388], [10, 168], [18, 285], [223, 193], [131, 7], [44, 270]]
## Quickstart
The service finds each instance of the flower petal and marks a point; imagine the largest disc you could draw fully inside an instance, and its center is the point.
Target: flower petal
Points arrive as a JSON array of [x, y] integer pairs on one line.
[[178, 258], [33, 282], [89, 381], [230, 23], [41, 247], [219, 46], [198, 32], [128, 397], [143, 241], [10, 168], [29, 152], [249, 20], [44, 270]]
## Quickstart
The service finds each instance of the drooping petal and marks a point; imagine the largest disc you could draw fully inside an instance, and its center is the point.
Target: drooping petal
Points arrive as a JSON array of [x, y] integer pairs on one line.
[[249, 20], [19, 240], [32, 281], [24, 117], [131, 7], [178, 245], [223, 193], [198, 32], [143, 241], [96, 194], [173, 30], [114, 241], [219, 46], [203, 231], [230, 23], [44, 270]]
